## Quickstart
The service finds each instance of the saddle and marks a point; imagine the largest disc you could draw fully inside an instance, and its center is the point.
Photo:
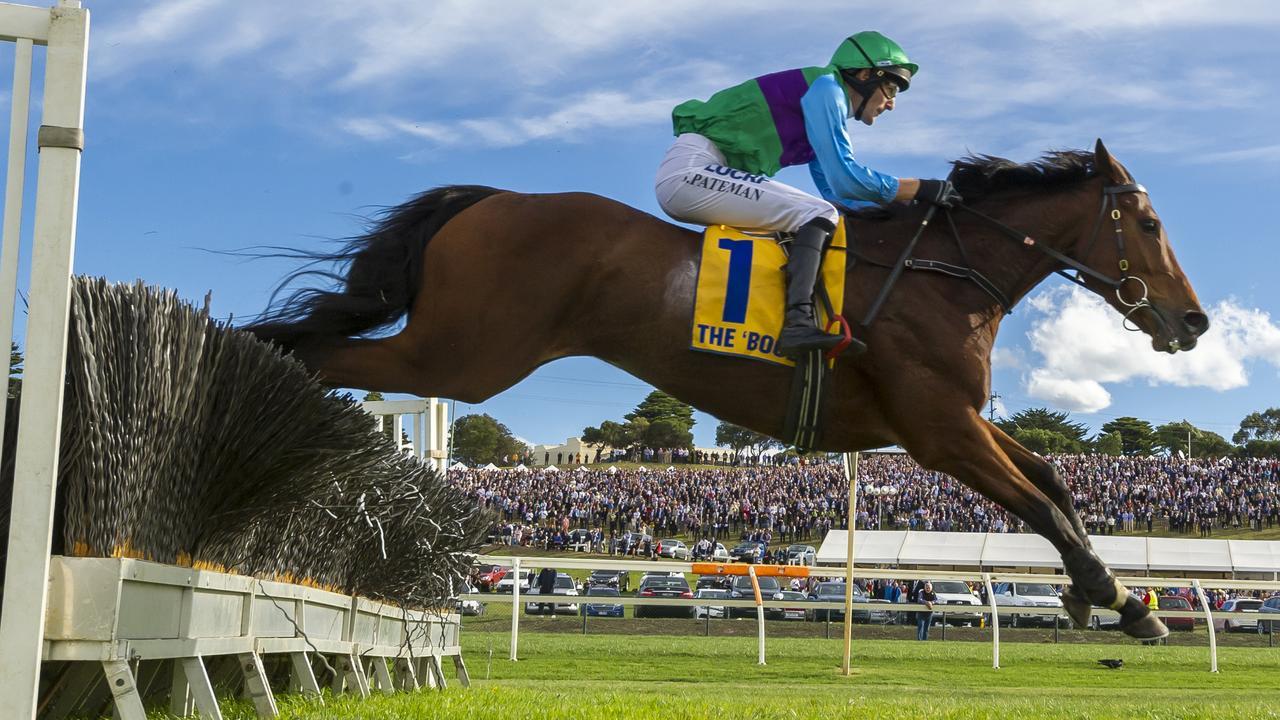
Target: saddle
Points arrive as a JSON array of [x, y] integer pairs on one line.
[[738, 310]]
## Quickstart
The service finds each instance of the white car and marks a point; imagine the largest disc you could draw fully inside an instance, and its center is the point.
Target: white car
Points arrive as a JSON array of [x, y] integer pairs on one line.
[[958, 602], [714, 611], [720, 554], [504, 585], [470, 607], [674, 549], [566, 587], [1012, 595]]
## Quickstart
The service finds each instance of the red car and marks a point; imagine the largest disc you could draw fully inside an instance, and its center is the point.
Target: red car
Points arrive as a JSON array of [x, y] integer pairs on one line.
[[487, 577], [1174, 602]]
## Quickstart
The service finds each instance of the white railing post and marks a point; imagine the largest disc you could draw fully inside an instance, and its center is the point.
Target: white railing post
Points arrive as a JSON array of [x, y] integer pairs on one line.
[[40, 419], [755, 587], [515, 607], [15, 182], [851, 475], [1208, 618], [995, 622]]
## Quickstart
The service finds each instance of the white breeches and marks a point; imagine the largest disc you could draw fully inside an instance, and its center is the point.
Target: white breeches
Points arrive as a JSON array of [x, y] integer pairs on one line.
[[695, 186]]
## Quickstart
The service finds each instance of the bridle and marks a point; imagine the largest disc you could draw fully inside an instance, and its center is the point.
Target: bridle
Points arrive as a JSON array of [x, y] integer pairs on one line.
[[1109, 207]]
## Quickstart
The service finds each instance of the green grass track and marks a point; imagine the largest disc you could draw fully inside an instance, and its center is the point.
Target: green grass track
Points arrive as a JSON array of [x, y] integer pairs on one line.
[[658, 677]]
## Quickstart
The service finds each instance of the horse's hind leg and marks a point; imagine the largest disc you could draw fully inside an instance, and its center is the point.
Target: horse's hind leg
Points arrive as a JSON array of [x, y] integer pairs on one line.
[[1043, 475], [1049, 481], [984, 466]]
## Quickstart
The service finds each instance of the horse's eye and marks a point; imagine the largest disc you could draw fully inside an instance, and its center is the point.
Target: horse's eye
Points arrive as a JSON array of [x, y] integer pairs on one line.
[[1151, 226]]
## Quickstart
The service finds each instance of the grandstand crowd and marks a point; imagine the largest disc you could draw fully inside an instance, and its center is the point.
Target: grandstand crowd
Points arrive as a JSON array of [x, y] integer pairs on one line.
[[789, 503]]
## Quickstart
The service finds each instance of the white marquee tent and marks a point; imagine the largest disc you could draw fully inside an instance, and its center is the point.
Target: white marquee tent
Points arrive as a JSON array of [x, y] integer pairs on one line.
[[1125, 554]]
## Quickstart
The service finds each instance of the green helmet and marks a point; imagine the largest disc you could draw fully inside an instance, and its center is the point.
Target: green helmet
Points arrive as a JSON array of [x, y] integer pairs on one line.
[[870, 49]]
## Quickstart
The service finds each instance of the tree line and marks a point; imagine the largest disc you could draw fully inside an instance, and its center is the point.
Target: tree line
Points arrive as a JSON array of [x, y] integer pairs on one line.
[[1046, 431]]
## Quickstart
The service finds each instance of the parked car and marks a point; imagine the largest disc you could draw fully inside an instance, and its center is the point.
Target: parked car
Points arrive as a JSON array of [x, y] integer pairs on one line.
[[741, 589], [674, 549], [579, 540], [619, 580], [715, 582], [637, 543], [664, 586], [1176, 602], [957, 603], [799, 611], [1104, 621], [504, 585], [1269, 616], [719, 554], [488, 576], [1238, 605], [595, 609], [834, 592], [747, 552], [565, 586], [880, 617], [470, 607], [801, 555], [715, 611], [1012, 595]]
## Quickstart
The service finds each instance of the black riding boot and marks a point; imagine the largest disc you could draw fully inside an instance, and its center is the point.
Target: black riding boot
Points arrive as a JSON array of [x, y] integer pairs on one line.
[[800, 332]]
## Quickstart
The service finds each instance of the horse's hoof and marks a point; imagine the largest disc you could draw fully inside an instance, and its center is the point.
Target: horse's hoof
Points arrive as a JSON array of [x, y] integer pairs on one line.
[[1079, 608], [1137, 621]]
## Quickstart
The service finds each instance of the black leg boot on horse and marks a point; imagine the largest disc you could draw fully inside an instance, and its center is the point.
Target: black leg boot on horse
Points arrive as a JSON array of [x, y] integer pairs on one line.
[[1094, 584], [800, 331]]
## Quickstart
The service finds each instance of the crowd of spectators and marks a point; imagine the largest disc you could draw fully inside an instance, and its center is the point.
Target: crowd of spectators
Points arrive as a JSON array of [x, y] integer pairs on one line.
[[802, 502]]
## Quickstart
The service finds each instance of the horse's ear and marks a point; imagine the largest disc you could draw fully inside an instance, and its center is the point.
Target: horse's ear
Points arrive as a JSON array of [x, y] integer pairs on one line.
[[1107, 165]]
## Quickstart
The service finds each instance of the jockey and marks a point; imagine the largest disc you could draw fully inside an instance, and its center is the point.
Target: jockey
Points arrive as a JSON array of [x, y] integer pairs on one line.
[[727, 148]]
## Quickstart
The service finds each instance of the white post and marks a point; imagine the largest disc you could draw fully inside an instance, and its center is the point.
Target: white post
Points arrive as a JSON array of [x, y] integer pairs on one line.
[[20, 100], [755, 587], [850, 461], [1208, 618], [515, 607], [40, 420], [995, 622]]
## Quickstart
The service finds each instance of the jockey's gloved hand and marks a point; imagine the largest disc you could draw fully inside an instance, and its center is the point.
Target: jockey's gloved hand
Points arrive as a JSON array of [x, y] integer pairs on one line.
[[938, 192]]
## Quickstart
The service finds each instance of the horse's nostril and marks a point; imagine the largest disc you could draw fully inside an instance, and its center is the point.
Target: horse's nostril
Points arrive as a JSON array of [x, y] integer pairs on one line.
[[1196, 322]]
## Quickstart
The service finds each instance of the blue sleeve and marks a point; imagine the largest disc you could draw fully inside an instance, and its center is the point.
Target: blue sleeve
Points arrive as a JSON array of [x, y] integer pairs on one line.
[[839, 177]]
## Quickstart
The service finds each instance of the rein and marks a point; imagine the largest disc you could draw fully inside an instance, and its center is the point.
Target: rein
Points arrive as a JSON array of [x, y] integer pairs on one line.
[[966, 272]]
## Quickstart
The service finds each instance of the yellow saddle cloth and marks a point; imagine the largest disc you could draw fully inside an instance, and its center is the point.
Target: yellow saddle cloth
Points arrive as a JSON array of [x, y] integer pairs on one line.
[[738, 308]]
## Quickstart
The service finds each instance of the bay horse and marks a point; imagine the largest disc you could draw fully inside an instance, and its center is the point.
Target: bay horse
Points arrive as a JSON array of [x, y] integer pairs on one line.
[[490, 285]]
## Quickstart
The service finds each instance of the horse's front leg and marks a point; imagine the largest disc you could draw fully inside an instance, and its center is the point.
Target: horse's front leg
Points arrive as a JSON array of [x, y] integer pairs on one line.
[[974, 455]]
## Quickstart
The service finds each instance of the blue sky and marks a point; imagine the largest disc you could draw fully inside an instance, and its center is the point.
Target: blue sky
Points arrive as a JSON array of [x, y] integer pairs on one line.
[[222, 124]]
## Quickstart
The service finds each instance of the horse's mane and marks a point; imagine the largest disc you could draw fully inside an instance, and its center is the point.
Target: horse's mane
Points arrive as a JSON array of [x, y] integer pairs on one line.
[[977, 176]]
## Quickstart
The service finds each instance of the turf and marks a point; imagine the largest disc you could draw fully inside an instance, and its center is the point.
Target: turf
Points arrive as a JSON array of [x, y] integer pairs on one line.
[[615, 676]]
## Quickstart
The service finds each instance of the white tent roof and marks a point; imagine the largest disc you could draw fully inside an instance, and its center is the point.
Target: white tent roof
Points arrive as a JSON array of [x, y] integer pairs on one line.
[[1019, 550], [489, 466], [1121, 553], [459, 465], [1254, 556], [939, 548], [1184, 554], [551, 468], [521, 467], [1124, 554], [581, 468], [642, 469], [612, 469]]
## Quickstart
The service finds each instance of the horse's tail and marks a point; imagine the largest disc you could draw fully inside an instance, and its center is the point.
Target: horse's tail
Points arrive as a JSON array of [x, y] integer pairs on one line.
[[377, 274]]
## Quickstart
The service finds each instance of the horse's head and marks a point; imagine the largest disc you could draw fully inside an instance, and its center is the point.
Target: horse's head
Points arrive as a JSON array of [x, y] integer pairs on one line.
[[1128, 244]]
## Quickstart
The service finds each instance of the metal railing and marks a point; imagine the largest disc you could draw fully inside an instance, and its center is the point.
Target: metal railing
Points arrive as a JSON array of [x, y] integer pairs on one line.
[[991, 609]]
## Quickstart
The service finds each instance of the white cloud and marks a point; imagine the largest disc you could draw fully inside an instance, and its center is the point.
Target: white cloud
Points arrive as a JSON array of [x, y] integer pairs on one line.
[[1011, 81], [570, 120], [1082, 347]]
